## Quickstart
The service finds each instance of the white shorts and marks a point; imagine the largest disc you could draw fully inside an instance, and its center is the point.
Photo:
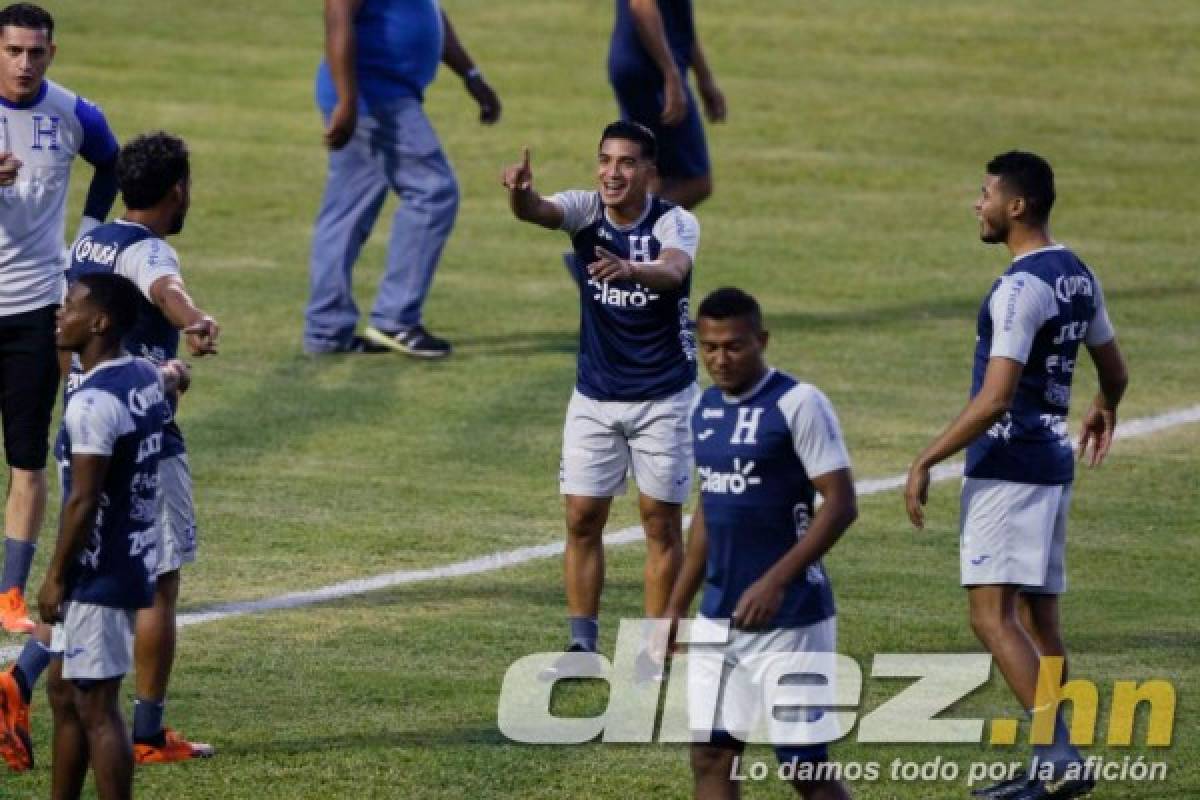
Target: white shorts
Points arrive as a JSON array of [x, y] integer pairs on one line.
[[729, 684], [604, 440], [1014, 533], [176, 515], [94, 642]]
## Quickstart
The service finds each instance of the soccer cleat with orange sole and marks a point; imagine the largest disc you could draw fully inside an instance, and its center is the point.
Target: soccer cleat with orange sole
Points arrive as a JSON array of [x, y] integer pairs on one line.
[[16, 748], [14, 614], [175, 748]]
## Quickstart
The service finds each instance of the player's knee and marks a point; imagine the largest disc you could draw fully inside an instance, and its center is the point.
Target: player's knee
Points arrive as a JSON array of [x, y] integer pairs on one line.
[[712, 760], [585, 520], [663, 527], [986, 622]]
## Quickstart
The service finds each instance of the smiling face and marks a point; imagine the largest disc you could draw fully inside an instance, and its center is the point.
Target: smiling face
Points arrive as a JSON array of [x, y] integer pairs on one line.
[[994, 210], [732, 350], [624, 174], [25, 55]]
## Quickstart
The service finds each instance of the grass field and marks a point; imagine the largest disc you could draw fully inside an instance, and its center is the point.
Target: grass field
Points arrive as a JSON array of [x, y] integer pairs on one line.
[[845, 176]]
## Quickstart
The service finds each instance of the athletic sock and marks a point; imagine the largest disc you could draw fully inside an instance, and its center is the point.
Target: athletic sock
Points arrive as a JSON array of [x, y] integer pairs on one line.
[[1060, 752], [584, 632], [148, 721], [31, 663], [18, 559]]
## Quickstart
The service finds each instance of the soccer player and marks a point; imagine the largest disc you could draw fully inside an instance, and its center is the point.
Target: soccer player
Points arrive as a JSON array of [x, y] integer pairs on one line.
[[1019, 462], [653, 45], [101, 571], [635, 381], [42, 128], [155, 181], [766, 444]]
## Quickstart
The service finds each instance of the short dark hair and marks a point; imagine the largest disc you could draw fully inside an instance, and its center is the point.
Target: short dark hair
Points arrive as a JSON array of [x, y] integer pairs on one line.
[[1027, 175], [729, 302], [27, 15], [148, 166], [634, 132], [116, 296]]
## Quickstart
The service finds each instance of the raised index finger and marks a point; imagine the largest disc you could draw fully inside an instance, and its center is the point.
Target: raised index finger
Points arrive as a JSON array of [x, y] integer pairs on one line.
[[525, 158]]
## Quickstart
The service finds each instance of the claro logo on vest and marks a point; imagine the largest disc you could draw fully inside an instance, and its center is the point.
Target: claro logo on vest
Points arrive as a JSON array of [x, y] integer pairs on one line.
[[621, 298]]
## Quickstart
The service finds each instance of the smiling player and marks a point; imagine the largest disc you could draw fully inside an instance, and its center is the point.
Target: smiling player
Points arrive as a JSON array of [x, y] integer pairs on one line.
[[632, 261]]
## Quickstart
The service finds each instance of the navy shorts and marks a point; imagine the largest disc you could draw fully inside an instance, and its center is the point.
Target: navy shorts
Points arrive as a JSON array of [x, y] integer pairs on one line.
[[682, 150], [28, 385]]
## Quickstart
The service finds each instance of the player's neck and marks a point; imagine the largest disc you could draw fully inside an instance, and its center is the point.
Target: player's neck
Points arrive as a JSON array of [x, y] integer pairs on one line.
[[629, 212], [96, 352], [1022, 240], [155, 219]]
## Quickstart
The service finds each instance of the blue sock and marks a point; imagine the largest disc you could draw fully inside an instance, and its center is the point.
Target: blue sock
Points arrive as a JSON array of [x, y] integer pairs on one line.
[[18, 559], [584, 632], [147, 719], [31, 663], [1060, 752]]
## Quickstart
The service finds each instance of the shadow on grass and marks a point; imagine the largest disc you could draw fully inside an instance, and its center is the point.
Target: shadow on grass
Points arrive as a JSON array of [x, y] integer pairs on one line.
[[366, 741], [517, 343]]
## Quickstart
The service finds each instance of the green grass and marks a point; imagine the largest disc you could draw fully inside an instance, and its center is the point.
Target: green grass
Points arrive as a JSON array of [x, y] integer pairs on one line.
[[845, 176]]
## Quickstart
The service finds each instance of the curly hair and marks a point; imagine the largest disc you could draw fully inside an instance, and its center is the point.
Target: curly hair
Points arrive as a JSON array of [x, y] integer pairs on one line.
[[148, 166]]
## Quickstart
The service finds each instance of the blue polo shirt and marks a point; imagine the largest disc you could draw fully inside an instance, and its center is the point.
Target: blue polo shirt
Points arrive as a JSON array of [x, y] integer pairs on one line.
[[398, 45]]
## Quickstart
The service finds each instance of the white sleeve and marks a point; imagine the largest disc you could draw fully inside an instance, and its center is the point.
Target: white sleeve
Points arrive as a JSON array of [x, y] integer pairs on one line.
[[94, 419], [147, 261], [815, 430], [678, 229], [1101, 330], [579, 208], [1020, 305]]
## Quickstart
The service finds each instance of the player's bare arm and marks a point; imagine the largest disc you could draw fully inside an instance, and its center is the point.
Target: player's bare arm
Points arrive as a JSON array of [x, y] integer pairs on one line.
[[526, 204], [995, 397], [654, 38], [455, 56], [339, 53], [201, 330], [1100, 421], [839, 508], [668, 271], [78, 518], [710, 94]]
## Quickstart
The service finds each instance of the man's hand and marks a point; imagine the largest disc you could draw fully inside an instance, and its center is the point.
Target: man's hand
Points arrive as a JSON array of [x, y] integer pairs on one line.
[[341, 125], [713, 99], [202, 337], [674, 99], [50, 600], [518, 177], [9, 167], [489, 103], [916, 494], [609, 266], [1099, 427], [758, 604], [177, 375]]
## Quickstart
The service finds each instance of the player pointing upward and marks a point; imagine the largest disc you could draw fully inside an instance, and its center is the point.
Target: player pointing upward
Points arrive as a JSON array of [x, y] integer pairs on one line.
[[633, 256]]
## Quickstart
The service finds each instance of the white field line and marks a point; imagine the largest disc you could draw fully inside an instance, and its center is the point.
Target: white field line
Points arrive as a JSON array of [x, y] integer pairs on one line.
[[1143, 426]]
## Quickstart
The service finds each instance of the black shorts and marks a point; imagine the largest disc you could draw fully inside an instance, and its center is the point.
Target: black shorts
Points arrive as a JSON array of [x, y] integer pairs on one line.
[[28, 383]]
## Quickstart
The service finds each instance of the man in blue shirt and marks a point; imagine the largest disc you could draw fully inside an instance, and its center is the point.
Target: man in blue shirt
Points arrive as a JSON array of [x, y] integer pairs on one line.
[[766, 445], [653, 45], [632, 263], [380, 55], [1019, 462]]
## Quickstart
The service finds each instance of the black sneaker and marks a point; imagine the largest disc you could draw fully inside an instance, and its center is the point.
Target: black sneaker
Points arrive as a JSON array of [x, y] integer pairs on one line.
[[577, 659], [1061, 789], [415, 341], [1003, 789], [357, 345]]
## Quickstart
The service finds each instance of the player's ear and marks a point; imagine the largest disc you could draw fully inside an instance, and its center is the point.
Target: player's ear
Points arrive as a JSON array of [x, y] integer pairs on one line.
[[763, 336], [1017, 207]]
